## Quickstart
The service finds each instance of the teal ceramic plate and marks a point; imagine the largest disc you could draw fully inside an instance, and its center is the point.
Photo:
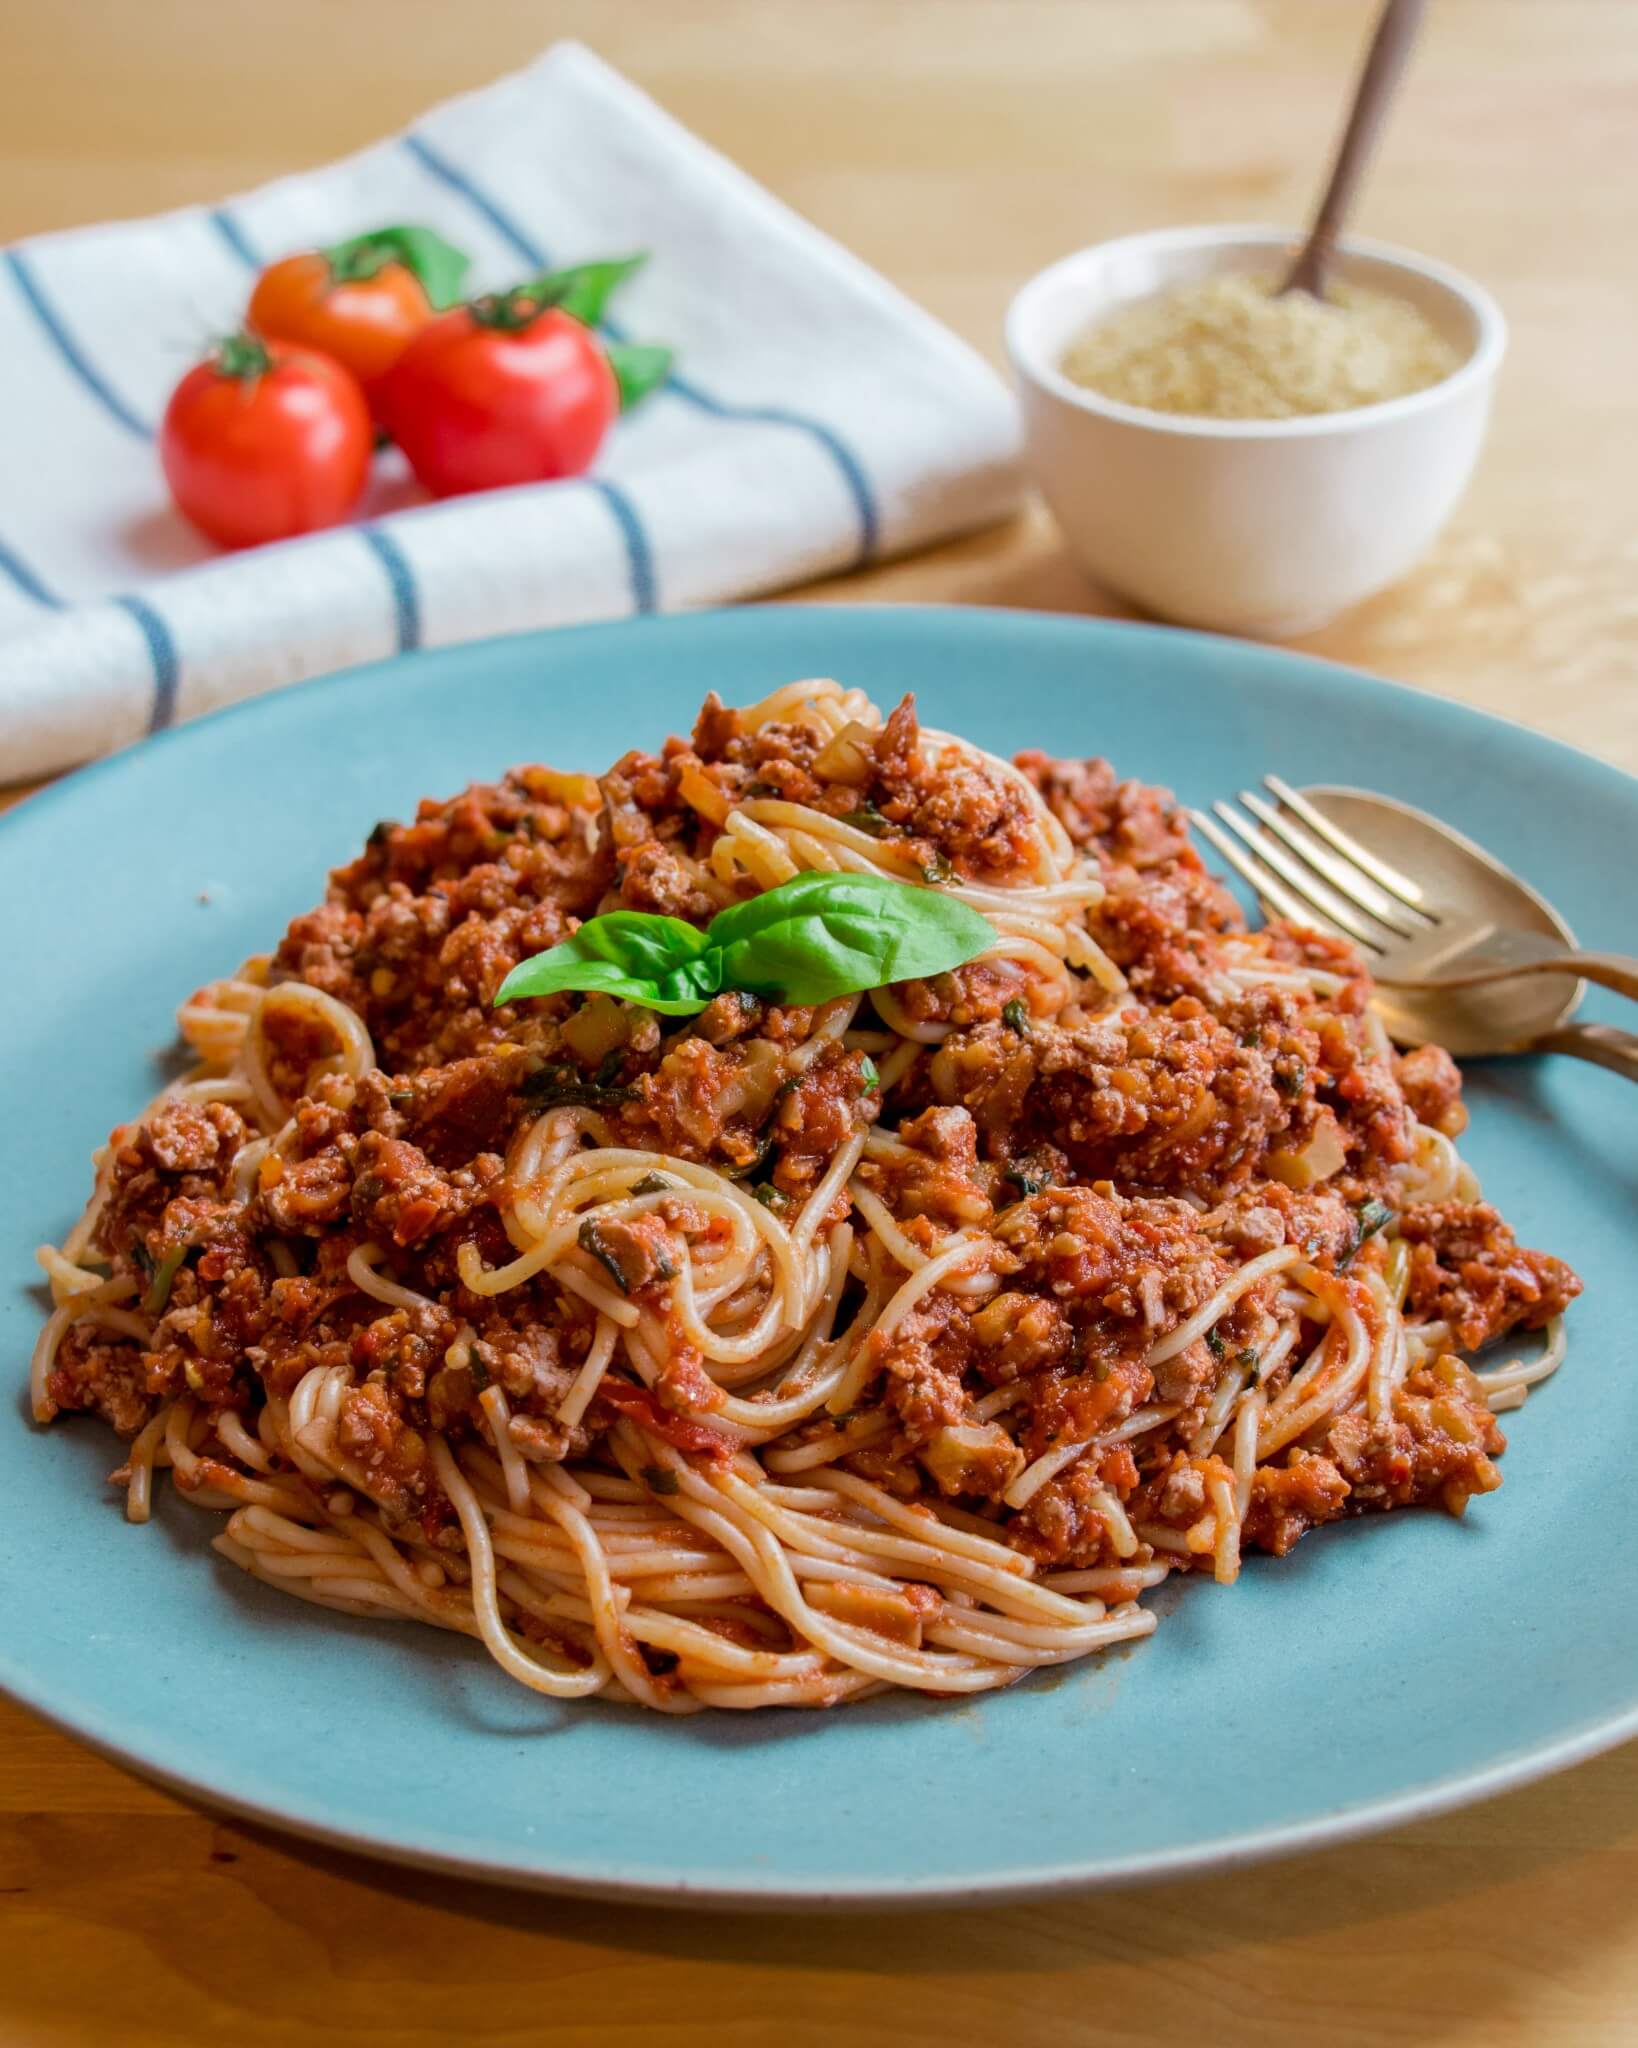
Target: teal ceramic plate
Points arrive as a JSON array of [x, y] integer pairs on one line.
[[1387, 1669]]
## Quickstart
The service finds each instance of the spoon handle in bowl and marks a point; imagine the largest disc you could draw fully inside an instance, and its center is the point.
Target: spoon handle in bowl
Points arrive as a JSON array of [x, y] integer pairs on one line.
[[1602, 1044], [1395, 32]]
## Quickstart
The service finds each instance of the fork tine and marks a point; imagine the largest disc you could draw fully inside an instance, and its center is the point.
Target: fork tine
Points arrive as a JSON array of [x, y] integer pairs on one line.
[[1315, 894], [1267, 884], [1344, 877], [1346, 844]]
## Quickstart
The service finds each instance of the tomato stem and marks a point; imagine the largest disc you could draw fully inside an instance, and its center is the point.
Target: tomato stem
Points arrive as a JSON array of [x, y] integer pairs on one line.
[[243, 356], [514, 311], [354, 262]]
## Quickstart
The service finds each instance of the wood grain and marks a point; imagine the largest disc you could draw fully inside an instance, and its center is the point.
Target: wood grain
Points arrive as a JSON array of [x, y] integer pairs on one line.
[[957, 144]]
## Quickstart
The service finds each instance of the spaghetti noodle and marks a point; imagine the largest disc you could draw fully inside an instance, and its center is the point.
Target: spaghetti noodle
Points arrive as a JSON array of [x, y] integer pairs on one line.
[[779, 1355]]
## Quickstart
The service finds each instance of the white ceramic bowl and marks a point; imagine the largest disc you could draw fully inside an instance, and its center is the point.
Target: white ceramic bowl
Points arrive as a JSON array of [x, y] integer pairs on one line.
[[1267, 527]]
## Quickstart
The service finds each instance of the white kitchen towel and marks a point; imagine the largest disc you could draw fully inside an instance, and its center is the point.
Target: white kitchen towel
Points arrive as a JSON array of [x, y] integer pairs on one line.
[[816, 420]]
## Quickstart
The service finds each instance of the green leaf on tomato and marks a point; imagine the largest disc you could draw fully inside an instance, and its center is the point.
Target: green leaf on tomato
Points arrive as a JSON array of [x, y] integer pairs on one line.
[[439, 265], [584, 289], [639, 368]]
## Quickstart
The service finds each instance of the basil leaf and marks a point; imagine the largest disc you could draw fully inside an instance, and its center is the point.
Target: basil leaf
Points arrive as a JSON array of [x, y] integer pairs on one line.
[[660, 962], [584, 289], [439, 265], [812, 938], [821, 935], [638, 366]]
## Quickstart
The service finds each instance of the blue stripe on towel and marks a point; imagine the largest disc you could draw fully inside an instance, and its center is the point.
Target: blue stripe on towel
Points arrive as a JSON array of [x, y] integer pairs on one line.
[[17, 572], [69, 349], [851, 469], [406, 599], [449, 174], [161, 647], [864, 499], [167, 666], [235, 237], [156, 634], [167, 663], [638, 553]]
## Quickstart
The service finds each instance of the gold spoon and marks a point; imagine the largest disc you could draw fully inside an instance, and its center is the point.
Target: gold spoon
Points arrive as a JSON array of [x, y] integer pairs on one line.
[[1525, 1005], [1395, 32]]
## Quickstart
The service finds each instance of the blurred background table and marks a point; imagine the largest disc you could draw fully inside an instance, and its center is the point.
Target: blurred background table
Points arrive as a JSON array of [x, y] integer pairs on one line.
[[957, 145]]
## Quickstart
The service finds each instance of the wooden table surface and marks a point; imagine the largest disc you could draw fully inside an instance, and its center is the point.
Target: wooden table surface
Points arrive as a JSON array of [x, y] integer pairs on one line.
[[958, 145]]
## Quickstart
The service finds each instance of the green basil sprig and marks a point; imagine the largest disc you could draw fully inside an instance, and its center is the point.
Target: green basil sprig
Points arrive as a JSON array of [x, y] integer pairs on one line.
[[812, 938]]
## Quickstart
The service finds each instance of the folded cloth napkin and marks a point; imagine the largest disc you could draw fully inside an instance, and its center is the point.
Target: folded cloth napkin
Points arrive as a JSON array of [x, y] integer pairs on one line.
[[816, 419]]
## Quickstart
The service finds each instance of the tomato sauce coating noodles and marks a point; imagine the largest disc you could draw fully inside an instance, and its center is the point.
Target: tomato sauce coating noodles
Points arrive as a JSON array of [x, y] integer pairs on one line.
[[777, 1355]]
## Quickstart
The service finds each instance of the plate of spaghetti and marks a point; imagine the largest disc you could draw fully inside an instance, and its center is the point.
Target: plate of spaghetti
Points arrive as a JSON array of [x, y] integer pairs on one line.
[[684, 1317]]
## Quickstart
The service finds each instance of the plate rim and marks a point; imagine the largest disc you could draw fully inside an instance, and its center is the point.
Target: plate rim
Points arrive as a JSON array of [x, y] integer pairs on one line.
[[429, 1849], [1216, 1857], [58, 787]]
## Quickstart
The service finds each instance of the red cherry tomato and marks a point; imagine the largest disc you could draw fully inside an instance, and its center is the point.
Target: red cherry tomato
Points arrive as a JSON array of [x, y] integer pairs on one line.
[[503, 391], [262, 441], [366, 320]]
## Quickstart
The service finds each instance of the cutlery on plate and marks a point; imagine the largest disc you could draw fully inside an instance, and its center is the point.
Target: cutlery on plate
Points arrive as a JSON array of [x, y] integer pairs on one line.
[[1441, 922]]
